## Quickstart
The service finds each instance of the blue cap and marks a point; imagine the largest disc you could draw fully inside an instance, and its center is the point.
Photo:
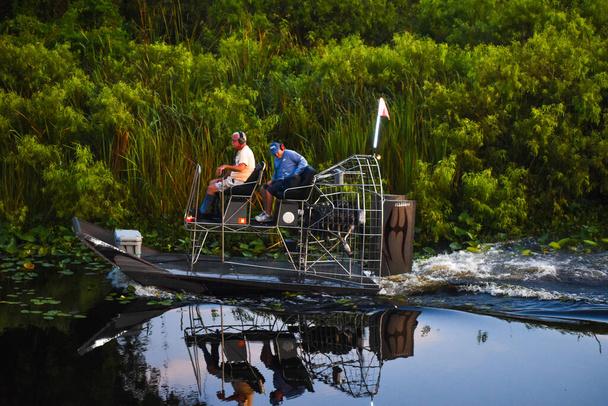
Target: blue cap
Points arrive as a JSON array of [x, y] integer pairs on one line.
[[274, 147]]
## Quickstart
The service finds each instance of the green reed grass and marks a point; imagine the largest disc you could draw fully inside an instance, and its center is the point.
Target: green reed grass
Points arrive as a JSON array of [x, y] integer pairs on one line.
[[174, 98]]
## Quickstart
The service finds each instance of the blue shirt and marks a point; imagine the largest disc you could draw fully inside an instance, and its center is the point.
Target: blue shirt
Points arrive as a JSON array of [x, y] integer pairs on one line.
[[290, 164]]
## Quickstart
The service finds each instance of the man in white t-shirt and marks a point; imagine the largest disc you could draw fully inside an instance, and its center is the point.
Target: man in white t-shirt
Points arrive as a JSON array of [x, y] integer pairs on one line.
[[244, 164]]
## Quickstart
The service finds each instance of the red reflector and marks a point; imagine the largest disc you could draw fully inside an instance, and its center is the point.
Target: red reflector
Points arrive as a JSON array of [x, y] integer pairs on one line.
[[242, 220], [189, 219]]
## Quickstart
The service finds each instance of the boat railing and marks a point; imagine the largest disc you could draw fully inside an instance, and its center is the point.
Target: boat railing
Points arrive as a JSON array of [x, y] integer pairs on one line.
[[334, 232]]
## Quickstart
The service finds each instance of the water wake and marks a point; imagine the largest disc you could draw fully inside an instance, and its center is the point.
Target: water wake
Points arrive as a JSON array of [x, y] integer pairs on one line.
[[501, 270]]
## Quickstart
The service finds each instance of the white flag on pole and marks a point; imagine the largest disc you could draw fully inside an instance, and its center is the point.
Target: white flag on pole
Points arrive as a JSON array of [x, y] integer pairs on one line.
[[382, 112], [382, 109]]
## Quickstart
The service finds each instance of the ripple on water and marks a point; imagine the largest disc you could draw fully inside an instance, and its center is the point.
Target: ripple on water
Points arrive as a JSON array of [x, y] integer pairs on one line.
[[501, 270]]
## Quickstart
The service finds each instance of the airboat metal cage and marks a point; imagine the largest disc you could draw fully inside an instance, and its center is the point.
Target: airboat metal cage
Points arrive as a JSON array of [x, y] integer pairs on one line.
[[341, 349], [334, 232]]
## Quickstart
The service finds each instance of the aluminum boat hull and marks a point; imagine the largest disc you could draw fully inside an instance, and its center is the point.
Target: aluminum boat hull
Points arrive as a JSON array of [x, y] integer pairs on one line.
[[211, 276]]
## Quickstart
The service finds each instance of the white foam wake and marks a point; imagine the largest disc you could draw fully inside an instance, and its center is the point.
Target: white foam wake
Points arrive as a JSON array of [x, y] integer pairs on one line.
[[495, 289], [501, 270], [121, 281]]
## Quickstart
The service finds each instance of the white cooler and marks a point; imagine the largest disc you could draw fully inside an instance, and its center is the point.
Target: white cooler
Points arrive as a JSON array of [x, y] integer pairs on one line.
[[128, 241]]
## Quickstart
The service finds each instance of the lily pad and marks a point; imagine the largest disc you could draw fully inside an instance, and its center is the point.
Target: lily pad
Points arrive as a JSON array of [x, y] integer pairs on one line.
[[27, 237], [428, 251], [28, 265], [48, 300], [52, 313], [166, 302], [11, 248], [455, 246]]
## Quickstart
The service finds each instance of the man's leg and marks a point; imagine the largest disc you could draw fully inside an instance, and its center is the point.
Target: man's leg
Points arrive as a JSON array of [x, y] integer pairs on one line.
[[209, 199], [266, 214], [267, 199]]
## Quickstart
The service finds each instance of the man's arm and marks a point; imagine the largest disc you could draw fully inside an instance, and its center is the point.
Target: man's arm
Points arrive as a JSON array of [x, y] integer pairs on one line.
[[275, 174], [301, 163], [237, 168]]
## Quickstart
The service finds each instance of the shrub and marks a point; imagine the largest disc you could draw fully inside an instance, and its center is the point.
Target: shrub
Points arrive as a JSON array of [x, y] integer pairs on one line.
[[84, 188]]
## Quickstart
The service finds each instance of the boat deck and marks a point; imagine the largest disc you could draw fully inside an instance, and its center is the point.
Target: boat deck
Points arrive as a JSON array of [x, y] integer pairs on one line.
[[210, 275]]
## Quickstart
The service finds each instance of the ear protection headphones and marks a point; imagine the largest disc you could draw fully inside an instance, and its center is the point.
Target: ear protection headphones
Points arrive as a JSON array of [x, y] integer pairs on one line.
[[242, 137]]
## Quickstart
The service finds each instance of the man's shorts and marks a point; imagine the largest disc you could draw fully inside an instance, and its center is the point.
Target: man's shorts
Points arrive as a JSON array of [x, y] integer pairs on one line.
[[277, 187], [227, 183]]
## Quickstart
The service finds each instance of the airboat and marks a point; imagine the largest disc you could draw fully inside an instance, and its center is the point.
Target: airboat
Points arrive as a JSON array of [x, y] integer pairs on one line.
[[337, 229]]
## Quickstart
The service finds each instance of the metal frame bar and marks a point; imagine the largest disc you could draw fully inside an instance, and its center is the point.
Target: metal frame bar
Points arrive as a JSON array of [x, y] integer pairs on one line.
[[359, 201]]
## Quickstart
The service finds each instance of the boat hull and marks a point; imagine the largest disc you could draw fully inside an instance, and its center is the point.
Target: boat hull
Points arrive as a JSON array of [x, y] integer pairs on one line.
[[211, 276]]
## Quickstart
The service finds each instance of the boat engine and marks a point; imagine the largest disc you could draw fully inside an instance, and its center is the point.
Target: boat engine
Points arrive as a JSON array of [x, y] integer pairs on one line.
[[398, 235]]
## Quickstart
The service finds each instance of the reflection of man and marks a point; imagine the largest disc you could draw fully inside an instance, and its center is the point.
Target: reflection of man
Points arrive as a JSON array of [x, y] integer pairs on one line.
[[243, 393], [212, 359], [244, 164], [284, 386], [244, 378]]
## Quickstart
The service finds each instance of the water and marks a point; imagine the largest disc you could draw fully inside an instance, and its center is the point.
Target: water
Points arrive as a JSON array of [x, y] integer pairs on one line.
[[495, 327], [501, 280]]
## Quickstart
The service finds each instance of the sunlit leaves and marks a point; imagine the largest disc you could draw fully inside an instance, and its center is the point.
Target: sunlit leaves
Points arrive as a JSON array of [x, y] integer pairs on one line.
[[28, 68], [502, 104], [434, 186], [84, 188]]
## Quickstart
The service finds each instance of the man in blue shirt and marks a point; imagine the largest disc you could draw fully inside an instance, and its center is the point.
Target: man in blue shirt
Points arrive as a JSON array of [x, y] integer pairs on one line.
[[287, 163], [290, 377]]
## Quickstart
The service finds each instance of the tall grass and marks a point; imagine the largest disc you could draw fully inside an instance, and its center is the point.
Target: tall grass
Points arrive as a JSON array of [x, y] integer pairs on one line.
[[152, 101], [402, 144], [180, 107]]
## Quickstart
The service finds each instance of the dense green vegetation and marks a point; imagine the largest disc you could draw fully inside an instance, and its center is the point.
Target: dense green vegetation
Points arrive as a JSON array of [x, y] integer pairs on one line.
[[499, 108]]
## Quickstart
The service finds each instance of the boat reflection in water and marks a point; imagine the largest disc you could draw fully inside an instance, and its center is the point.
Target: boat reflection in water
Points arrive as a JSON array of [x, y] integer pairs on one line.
[[259, 356]]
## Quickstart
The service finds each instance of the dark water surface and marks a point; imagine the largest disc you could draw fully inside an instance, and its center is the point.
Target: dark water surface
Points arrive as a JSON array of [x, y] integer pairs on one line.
[[535, 331]]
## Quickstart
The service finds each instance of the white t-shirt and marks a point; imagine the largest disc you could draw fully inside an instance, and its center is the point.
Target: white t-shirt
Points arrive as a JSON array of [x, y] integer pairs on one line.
[[244, 155]]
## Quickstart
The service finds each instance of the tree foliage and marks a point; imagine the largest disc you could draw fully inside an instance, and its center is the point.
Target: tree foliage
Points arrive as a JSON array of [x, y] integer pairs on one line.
[[499, 108]]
